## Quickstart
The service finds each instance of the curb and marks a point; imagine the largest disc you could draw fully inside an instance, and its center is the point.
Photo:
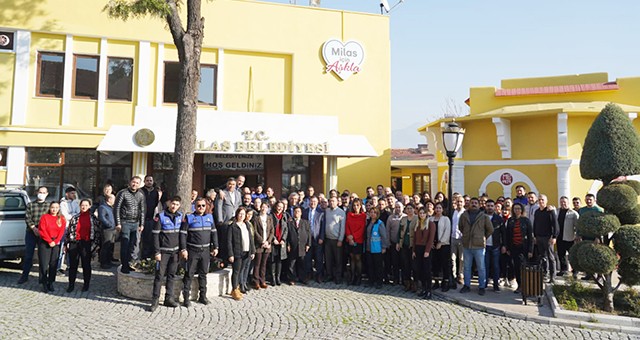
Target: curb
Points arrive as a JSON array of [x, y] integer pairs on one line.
[[623, 324], [539, 319]]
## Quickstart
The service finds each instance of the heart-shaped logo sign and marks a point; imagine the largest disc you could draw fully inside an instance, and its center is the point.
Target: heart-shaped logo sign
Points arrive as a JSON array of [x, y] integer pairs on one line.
[[343, 59]]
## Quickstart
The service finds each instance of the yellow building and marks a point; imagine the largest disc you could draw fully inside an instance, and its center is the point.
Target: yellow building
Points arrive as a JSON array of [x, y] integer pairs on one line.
[[290, 96], [530, 132], [409, 172]]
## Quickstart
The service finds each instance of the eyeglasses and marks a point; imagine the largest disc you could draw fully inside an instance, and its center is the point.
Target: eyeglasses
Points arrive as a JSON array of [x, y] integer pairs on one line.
[[201, 205]]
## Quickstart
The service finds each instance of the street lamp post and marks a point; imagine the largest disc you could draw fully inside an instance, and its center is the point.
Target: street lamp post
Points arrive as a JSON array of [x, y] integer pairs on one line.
[[452, 136]]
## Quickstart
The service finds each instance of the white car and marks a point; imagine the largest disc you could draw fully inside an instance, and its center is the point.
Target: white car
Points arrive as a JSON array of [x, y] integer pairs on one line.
[[13, 204]]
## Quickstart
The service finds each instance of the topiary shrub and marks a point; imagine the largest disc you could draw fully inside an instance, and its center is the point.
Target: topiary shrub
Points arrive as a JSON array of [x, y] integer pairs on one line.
[[595, 224], [616, 198], [611, 148], [629, 270], [631, 216], [574, 258], [597, 258], [627, 241], [634, 184]]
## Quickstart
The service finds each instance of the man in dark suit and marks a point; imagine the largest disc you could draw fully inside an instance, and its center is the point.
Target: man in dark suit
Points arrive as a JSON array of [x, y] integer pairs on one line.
[[298, 245], [226, 204], [315, 217]]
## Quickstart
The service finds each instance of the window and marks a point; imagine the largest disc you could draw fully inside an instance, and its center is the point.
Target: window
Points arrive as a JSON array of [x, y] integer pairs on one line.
[[119, 78], [207, 93], [50, 74], [85, 169], [421, 183], [295, 173], [85, 77]]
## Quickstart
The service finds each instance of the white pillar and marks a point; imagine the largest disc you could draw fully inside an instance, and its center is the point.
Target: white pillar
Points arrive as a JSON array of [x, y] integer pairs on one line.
[[331, 181], [220, 80], [21, 78], [144, 55], [563, 133], [139, 167], [160, 76], [433, 167], [68, 81], [458, 178], [564, 180], [15, 165], [102, 82]]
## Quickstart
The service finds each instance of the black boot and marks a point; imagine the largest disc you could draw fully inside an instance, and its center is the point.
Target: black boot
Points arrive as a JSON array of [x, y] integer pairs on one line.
[[276, 278], [71, 287], [170, 302], [273, 274], [203, 299], [50, 287], [243, 289], [45, 288], [436, 285], [154, 305], [187, 301], [85, 287], [445, 286]]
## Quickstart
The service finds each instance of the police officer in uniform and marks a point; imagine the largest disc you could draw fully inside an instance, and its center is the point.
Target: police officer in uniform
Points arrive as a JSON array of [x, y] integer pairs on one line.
[[166, 243], [201, 239]]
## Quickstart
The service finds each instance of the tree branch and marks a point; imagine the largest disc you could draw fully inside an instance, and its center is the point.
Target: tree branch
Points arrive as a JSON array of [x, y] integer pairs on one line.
[[175, 23], [597, 280], [617, 286]]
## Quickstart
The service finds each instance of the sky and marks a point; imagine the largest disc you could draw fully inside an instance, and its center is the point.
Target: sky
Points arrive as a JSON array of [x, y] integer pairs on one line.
[[439, 49]]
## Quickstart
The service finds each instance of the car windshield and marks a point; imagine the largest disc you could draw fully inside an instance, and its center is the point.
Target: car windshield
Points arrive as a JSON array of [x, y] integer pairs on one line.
[[12, 202]]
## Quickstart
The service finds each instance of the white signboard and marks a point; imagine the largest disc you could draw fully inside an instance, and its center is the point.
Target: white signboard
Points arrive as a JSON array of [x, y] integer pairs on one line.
[[217, 162], [343, 59]]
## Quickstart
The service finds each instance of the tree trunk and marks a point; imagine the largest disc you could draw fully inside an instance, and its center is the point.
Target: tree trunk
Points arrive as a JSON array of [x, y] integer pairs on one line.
[[607, 291], [189, 45]]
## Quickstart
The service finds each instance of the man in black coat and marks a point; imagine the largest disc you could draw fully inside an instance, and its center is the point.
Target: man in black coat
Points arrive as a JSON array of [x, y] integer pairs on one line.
[[299, 242]]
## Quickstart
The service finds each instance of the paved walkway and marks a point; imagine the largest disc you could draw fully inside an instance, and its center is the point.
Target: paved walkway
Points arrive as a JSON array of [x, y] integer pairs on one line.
[[326, 311]]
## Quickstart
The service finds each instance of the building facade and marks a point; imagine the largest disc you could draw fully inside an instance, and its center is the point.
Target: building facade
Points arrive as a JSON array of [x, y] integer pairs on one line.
[[530, 132], [290, 96]]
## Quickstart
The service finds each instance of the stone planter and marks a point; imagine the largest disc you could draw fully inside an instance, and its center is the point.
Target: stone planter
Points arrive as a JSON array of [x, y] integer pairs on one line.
[[139, 286]]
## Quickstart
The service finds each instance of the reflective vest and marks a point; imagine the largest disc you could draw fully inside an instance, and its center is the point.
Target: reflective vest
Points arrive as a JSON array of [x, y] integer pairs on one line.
[[376, 240]]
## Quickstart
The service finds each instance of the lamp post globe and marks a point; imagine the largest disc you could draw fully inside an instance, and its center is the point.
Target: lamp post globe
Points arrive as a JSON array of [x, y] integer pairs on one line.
[[452, 136]]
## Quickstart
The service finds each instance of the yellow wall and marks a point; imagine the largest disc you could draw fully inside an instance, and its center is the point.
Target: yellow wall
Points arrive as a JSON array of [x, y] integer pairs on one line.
[[533, 137], [480, 143], [7, 61], [3, 176], [257, 82]]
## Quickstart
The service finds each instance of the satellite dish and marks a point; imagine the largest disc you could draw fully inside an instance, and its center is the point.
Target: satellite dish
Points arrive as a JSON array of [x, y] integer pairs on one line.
[[384, 4]]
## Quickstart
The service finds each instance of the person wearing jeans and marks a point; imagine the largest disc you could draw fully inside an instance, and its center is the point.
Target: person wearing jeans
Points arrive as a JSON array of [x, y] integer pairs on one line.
[[129, 210], [494, 245], [476, 227], [33, 213]]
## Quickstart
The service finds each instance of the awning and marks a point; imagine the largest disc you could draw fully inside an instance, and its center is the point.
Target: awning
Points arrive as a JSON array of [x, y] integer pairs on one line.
[[239, 133]]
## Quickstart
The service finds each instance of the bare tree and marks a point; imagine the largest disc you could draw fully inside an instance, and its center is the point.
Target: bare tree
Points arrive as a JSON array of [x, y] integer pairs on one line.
[[453, 109], [188, 41]]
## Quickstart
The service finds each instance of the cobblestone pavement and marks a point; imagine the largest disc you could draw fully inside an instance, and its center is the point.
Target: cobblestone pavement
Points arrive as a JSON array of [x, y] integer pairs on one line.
[[326, 311]]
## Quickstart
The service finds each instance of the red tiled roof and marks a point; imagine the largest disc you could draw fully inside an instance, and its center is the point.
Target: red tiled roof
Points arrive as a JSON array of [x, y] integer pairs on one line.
[[527, 91], [409, 155]]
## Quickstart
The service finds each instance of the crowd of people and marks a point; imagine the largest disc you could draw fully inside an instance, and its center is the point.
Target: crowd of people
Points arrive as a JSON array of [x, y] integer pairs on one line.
[[384, 238]]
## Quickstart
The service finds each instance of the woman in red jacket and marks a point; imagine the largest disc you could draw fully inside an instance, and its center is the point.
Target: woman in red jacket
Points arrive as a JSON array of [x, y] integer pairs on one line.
[[51, 229], [83, 232], [355, 226]]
